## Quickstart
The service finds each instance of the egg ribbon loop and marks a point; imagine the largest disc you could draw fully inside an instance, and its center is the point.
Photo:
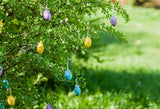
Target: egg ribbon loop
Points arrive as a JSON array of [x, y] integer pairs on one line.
[[68, 59]]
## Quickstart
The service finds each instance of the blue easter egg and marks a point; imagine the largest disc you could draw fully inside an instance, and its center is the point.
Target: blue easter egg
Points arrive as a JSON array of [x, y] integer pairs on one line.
[[7, 83], [77, 90], [68, 75], [1, 106]]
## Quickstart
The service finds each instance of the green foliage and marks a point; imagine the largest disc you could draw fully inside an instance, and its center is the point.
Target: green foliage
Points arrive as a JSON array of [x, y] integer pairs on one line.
[[62, 37], [128, 77]]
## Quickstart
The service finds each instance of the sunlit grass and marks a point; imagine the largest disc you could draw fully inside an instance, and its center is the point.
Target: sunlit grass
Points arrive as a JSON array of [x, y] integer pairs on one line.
[[128, 77]]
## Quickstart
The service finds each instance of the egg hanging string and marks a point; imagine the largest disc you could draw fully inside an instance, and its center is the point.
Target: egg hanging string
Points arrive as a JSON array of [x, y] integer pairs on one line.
[[76, 80], [46, 3], [68, 59], [87, 31], [113, 9]]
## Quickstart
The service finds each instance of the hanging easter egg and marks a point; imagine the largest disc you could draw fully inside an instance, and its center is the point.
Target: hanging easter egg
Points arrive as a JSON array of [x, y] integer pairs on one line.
[[11, 100], [1, 26], [113, 21], [40, 47], [1, 70], [77, 90], [87, 42], [6, 84], [68, 75], [49, 106], [1, 106], [47, 15]]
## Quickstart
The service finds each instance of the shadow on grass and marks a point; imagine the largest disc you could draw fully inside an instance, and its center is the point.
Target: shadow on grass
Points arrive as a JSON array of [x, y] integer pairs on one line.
[[104, 39], [144, 86]]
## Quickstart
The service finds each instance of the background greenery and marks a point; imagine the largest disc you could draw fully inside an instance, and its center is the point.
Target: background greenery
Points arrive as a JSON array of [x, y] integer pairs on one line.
[[118, 75], [126, 76]]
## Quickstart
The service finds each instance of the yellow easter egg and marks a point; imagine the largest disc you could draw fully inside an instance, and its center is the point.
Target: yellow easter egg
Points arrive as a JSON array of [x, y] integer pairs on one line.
[[87, 42], [40, 47], [1, 25], [11, 100]]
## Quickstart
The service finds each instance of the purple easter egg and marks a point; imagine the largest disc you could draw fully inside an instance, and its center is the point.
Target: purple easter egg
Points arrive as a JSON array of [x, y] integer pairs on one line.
[[113, 21], [47, 15], [1, 70], [49, 106]]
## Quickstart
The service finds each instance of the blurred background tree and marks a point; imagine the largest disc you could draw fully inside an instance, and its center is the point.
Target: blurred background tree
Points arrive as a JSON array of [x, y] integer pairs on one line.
[[148, 3]]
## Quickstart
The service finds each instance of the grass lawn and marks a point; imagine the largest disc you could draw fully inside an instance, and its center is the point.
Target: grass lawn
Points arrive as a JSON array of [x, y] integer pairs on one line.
[[129, 75]]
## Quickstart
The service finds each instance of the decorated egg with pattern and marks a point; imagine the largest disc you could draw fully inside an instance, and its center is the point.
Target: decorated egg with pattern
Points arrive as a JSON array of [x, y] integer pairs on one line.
[[47, 15], [87, 42], [49, 106], [68, 75], [77, 90], [40, 47], [113, 21], [6, 84], [1, 26], [11, 100]]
